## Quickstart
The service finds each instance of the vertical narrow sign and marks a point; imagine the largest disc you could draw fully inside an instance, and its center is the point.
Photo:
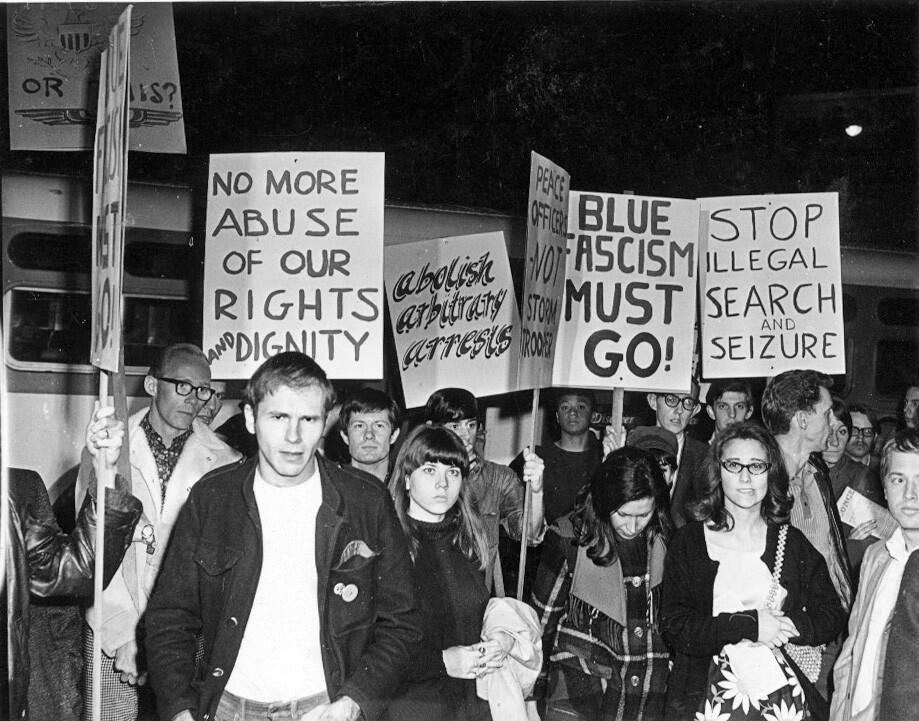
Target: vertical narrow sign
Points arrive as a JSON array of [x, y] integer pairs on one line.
[[110, 172], [544, 283]]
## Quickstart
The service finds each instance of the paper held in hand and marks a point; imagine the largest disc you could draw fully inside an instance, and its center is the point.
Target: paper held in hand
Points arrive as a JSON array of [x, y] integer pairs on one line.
[[855, 509]]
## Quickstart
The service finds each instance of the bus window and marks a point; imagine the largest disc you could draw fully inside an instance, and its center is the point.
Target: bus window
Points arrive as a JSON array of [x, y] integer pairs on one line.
[[162, 258], [899, 311], [52, 327], [849, 307], [70, 253], [49, 327], [896, 366]]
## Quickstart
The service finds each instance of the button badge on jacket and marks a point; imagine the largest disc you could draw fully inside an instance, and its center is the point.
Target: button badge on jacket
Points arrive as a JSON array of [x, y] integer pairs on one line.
[[347, 592]]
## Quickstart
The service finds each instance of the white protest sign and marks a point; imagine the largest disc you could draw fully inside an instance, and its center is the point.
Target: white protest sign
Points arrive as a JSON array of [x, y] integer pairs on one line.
[[454, 315], [110, 177], [771, 287], [630, 293], [544, 283], [294, 262], [53, 58]]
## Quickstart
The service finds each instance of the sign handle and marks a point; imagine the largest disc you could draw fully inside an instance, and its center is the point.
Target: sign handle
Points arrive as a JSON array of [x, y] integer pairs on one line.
[[105, 477], [527, 499], [615, 418]]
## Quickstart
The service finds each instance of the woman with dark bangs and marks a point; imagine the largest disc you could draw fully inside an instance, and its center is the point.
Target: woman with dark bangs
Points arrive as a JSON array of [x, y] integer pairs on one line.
[[597, 592], [740, 584], [450, 551]]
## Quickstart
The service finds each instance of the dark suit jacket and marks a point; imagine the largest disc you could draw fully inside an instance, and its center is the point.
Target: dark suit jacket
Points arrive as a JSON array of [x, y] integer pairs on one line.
[[899, 690], [688, 479], [211, 572]]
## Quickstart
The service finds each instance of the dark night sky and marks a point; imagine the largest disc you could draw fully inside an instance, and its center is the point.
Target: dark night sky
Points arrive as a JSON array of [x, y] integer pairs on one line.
[[683, 99]]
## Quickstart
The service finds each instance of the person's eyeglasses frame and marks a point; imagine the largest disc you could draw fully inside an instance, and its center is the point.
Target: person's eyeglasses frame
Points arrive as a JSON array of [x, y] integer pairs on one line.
[[189, 387], [748, 467]]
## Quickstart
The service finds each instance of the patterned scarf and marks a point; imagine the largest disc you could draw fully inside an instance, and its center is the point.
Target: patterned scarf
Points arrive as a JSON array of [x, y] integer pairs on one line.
[[166, 458]]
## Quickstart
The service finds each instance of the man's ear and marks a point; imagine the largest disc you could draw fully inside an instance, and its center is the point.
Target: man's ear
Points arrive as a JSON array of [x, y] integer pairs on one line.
[[394, 435], [749, 412], [249, 415], [711, 412], [150, 386], [801, 419], [696, 409], [344, 437], [652, 400]]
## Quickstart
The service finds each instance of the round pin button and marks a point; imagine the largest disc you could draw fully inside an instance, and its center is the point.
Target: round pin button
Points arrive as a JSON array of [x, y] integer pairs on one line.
[[339, 587], [349, 593]]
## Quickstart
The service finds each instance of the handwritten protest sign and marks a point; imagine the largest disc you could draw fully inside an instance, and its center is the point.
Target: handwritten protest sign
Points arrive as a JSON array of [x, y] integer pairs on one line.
[[110, 177], [630, 293], [54, 51], [294, 261], [544, 283], [453, 314], [771, 287]]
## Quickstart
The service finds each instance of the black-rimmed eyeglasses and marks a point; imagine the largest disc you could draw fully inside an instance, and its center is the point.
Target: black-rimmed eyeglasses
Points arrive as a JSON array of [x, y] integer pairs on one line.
[[757, 468], [863, 432], [184, 388], [673, 401]]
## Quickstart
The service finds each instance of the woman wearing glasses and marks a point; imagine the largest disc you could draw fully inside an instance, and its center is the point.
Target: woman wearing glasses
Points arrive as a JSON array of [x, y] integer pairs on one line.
[[740, 584], [597, 593]]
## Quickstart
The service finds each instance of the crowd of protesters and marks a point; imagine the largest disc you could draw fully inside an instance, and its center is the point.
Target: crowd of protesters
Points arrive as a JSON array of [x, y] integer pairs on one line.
[[677, 570]]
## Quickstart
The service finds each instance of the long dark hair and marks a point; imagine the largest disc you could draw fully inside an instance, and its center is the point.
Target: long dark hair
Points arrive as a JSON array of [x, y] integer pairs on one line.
[[710, 507], [628, 474], [436, 444]]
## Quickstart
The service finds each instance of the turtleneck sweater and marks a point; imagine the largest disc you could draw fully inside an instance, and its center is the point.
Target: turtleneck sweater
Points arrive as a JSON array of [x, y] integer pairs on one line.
[[451, 594]]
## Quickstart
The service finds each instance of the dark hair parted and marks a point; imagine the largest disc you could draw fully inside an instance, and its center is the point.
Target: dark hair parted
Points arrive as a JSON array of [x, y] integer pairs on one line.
[[368, 400], [841, 412], [451, 404], [292, 369], [867, 412], [710, 506], [436, 444], [628, 474], [728, 385], [904, 441], [788, 393]]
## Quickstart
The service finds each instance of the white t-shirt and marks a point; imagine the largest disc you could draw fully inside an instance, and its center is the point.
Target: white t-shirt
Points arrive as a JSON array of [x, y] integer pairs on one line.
[[280, 657]]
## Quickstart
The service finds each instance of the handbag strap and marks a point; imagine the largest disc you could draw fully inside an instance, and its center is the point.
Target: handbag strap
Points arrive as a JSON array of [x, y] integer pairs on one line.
[[777, 569]]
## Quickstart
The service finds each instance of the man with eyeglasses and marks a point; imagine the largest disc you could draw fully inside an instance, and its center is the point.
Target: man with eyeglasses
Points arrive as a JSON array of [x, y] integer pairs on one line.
[[863, 434], [797, 410], [495, 488], [729, 401], [171, 449], [673, 412], [369, 425], [911, 407]]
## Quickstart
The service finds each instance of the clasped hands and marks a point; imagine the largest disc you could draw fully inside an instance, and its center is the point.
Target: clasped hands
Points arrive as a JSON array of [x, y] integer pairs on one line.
[[775, 629]]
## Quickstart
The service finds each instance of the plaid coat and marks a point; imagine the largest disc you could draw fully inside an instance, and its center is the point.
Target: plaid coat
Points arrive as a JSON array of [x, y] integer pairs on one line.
[[623, 664]]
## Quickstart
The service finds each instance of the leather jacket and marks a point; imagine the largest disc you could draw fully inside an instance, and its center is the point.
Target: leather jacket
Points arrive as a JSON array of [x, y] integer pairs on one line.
[[41, 559]]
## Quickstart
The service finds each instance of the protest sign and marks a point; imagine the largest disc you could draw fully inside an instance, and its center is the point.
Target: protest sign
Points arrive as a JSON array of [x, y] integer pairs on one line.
[[544, 283], [53, 62], [771, 287], [454, 315], [110, 177], [294, 261], [630, 293]]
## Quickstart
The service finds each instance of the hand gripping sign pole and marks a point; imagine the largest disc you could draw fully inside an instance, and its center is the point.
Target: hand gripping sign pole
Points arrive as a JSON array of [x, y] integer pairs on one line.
[[110, 171]]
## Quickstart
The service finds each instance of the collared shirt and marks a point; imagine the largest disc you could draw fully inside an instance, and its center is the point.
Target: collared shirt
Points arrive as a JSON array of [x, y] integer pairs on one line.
[[166, 458], [809, 515], [885, 596]]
